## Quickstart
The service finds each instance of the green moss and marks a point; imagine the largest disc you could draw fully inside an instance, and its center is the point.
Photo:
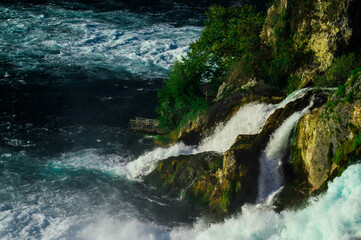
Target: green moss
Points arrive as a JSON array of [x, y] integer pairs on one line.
[[216, 164], [202, 192], [341, 91], [349, 98], [346, 149], [338, 155], [169, 180], [238, 186], [224, 202], [160, 166], [337, 74], [330, 153], [356, 141], [293, 84]]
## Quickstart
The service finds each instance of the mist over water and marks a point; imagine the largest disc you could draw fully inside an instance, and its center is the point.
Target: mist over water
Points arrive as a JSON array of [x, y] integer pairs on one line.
[[333, 215], [72, 74]]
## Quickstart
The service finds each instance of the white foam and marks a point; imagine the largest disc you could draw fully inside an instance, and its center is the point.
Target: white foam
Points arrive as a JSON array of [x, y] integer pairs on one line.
[[110, 229], [92, 160], [145, 163], [248, 120], [332, 216], [271, 178], [69, 38]]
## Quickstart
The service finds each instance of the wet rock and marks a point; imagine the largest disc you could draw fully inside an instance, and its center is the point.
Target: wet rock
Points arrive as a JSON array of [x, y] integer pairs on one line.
[[323, 30], [328, 137], [222, 184], [176, 174], [221, 111]]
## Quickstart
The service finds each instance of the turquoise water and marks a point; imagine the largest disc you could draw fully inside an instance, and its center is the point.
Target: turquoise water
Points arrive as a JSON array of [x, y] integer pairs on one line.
[[334, 215], [72, 74]]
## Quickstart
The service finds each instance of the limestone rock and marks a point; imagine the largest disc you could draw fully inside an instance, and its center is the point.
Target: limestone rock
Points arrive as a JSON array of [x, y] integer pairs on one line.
[[323, 29], [328, 136]]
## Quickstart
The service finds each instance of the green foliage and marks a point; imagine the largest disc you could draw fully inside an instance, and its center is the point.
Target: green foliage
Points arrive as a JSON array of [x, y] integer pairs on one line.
[[216, 164], [356, 141], [293, 83], [339, 71], [355, 74], [341, 91], [230, 35], [181, 94], [338, 155]]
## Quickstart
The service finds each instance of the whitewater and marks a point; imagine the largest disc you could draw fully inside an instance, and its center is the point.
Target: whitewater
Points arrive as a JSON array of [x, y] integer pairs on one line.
[[72, 74], [249, 119]]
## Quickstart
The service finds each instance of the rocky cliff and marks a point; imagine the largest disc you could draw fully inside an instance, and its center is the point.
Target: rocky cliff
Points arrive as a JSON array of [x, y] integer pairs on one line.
[[325, 141], [222, 183], [320, 29], [328, 138]]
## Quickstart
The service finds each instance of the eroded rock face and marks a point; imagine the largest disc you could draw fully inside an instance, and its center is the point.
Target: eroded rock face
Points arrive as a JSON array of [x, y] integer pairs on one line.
[[324, 29], [328, 136], [211, 181], [222, 184], [179, 173], [314, 141]]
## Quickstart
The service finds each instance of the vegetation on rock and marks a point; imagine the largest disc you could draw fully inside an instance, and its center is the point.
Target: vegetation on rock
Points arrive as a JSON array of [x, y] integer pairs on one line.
[[329, 136], [245, 56], [230, 35]]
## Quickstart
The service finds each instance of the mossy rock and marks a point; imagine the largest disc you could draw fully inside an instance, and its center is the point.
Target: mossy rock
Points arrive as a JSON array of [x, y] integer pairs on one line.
[[326, 141], [175, 174]]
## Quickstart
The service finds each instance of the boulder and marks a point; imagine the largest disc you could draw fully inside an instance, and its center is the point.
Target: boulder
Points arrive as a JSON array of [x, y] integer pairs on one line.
[[222, 184], [318, 28], [328, 137]]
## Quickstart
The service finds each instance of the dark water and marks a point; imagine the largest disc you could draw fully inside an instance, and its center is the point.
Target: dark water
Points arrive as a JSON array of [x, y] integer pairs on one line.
[[72, 74]]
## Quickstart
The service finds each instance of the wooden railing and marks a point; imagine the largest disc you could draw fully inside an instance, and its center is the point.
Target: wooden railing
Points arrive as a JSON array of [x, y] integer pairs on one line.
[[145, 125]]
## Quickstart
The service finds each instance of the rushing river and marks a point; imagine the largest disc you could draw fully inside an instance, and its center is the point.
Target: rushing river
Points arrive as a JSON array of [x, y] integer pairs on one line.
[[72, 74]]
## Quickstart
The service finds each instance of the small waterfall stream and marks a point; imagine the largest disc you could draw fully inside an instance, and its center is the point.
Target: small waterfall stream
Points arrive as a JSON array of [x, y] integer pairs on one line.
[[270, 178], [248, 120]]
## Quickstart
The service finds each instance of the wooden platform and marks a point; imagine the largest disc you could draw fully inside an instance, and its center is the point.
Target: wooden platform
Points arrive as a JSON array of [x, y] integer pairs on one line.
[[145, 125]]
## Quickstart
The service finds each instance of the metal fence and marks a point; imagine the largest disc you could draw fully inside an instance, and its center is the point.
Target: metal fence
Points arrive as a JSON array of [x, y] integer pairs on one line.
[[145, 125]]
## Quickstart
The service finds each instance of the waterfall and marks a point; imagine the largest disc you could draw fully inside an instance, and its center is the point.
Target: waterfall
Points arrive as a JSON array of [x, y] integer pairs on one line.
[[270, 178], [249, 119], [333, 215]]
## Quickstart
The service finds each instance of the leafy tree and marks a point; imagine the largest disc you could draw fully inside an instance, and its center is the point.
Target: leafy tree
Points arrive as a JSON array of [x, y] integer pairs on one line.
[[230, 35], [339, 71]]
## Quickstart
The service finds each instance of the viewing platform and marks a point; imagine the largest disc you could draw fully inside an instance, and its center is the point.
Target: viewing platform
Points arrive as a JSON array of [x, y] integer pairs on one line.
[[145, 125]]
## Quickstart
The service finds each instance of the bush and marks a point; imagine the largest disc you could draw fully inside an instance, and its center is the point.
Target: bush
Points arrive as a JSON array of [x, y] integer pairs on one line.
[[180, 94], [339, 71], [230, 35]]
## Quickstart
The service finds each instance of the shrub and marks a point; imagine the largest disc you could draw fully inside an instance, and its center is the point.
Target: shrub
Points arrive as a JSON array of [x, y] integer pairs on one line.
[[230, 35], [180, 94], [339, 71]]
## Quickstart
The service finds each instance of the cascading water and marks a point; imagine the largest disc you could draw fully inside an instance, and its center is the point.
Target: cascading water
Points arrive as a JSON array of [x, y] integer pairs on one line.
[[271, 178], [248, 120], [331, 216], [72, 74]]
